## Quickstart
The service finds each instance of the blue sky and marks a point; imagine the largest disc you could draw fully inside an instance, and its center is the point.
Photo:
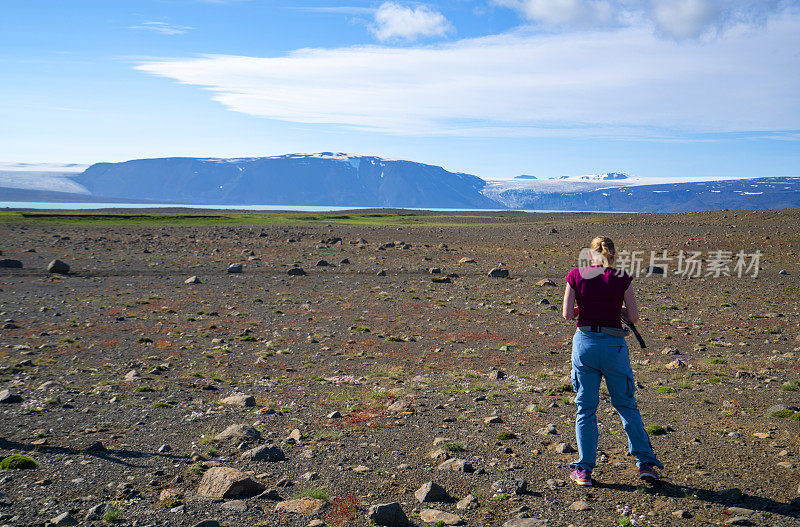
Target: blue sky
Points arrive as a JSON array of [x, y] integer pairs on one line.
[[495, 88]]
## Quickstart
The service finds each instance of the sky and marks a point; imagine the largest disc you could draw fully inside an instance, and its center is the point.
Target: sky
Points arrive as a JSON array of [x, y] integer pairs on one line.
[[495, 88]]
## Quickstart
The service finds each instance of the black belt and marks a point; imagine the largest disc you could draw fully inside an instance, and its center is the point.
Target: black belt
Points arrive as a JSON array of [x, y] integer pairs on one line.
[[617, 332]]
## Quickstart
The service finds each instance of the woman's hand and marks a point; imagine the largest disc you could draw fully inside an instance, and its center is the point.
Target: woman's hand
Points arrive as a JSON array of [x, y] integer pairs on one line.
[[631, 310]]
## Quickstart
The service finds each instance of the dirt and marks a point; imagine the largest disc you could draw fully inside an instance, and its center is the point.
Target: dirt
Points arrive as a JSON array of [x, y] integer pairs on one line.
[[403, 359]]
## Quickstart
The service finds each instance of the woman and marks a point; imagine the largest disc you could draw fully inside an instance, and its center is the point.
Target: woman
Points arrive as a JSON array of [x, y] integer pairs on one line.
[[599, 350]]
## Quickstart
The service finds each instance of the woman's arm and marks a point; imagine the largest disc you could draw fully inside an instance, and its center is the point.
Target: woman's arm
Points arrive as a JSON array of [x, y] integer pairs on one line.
[[568, 309], [630, 311]]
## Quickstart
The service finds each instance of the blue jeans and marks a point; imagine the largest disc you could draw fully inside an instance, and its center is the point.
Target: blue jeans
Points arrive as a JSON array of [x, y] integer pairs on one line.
[[596, 355]]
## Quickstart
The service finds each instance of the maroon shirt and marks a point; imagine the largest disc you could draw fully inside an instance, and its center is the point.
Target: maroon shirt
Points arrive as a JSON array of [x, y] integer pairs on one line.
[[599, 293]]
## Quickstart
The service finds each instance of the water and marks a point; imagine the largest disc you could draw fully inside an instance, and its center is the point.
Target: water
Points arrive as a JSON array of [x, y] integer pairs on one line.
[[288, 208]]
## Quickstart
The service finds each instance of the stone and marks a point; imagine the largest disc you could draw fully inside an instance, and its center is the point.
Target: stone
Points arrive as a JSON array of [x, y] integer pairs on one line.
[[132, 376], [545, 281], [263, 453], [564, 448], [431, 491], [270, 494], [466, 260], [437, 516], [680, 513], [497, 272], [64, 518], [387, 514], [192, 280], [235, 505], [296, 271], [467, 502], [654, 269], [677, 364], [554, 484], [235, 268], [239, 400], [227, 482], [497, 374], [97, 446], [550, 429], [207, 523], [316, 523], [458, 465], [9, 397], [334, 415], [775, 409], [305, 506], [166, 447], [57, 267], [96, 512], [739, 511], [322, 263], [10, 264], [526, 522], [492, 419], [580, 505], [401, 405], [241, 432], [738, 520], [510, 486]]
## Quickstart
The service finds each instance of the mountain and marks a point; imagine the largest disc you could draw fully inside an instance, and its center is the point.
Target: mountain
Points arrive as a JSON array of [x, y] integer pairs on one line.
[[323, 179], [640, 195], [524, 176]]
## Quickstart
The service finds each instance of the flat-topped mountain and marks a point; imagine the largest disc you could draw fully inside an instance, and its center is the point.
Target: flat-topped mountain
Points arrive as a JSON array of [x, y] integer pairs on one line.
[[320, 179]]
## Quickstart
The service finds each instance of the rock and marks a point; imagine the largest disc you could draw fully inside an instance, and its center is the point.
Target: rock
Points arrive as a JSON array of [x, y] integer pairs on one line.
[[492, 419], [738, 520], [388, 514], [96, 512], [670, 351], [580, 505], [437, 516], [207, 523], [468, 502], [270, 494], [466, 260], [322, 263], [97, 446], [677, 364], [227, 482], [497, 272], [382, 272], [305, 506], [550, 429], [10, 264], [235, 268], [775, 409], [564, 448], [334, 415], [739, 511], [554, 484], [64, 518], [164, 448], [545, 281], [296, 271], [242, 431], [510, 486], [526, 522], [458, 465], [680, 513], [235, 505], [429, 492], [497, 374], [132, 376], [192, 280], [344, 261], [316, 523], [57, 267], [782, 271], [654, 269], [239, 400], [263, 453], [400, 405], [730, 494], [9, 397], [310, 476]]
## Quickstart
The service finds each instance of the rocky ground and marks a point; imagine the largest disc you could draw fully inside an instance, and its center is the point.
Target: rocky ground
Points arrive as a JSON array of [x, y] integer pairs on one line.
[[262, 397]]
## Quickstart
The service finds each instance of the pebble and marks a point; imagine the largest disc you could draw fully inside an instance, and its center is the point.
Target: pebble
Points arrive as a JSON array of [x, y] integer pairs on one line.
[[497, 272], [64, 518], [467, 502], [510, 486], [235, 268], [192, 280], [680, 513], [239, 400], [580, 505]]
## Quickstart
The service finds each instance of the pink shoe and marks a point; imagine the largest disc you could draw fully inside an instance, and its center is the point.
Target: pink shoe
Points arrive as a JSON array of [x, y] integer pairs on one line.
[[648, 473], [582, 477]]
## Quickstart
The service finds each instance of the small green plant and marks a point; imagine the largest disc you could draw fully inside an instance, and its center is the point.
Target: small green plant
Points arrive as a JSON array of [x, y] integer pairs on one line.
[[112, 515], [248, 338], [790, 386], [140, 389], [655, 430], [162, 405], [503, 436], [717, 360], [440, 523], [18, 461], [453, 446], [501, 496], [624, 521], [781, 414], [320, 493], [665, 389]]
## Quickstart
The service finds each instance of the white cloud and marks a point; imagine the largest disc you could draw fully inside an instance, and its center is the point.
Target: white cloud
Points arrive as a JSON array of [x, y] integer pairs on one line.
[[163, 28], [394, 21], [676, 19], [623, 82]]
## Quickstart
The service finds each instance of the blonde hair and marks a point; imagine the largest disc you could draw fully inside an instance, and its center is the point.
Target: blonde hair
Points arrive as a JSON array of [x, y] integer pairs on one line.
[[603, 247]]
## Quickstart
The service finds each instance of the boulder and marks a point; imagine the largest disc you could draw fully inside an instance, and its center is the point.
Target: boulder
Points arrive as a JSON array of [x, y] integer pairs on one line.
[[239, 400], [263, 453], [388, 514], [440, 517], [227, 482], [305, 506], [242, 431], [430, 491], [10, 264], [497, 272], [58, 267], [235, 268], [9, 397], [192, 280], [296, 271]]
